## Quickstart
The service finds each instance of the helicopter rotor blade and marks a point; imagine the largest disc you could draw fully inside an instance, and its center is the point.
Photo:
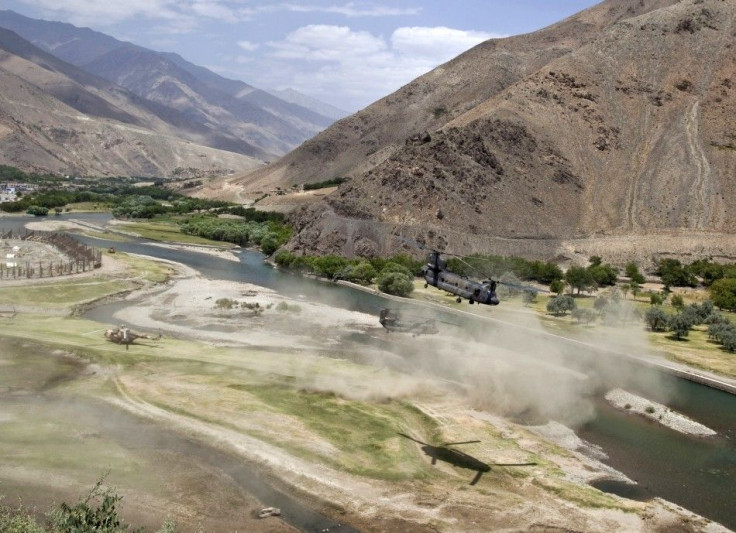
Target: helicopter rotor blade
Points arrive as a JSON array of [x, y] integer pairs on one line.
[[458, 443], [412, 438], [527, 288]]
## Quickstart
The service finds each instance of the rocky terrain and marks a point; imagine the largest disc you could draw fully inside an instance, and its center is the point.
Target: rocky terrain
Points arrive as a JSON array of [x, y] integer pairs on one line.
[[56, 117], [616, 122], [227, 114]]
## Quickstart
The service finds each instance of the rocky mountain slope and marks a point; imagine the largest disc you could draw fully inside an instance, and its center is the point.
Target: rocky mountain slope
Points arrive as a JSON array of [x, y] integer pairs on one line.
[[618, 121], [266, 125], [57, 117]]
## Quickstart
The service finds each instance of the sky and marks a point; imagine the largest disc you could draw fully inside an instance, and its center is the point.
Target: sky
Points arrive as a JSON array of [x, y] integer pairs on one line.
[[345, 53]]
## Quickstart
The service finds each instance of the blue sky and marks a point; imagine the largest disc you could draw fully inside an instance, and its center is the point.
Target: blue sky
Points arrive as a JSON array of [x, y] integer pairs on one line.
[[346, 53]]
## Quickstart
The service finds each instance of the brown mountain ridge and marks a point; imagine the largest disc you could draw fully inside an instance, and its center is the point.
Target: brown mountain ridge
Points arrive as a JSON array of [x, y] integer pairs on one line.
[[616, 122]]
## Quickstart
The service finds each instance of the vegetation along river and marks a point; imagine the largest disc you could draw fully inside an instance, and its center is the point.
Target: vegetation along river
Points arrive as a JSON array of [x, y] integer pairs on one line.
[[697, 473]]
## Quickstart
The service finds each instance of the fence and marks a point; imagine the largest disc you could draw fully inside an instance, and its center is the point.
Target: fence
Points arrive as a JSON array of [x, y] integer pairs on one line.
[[81, 258]]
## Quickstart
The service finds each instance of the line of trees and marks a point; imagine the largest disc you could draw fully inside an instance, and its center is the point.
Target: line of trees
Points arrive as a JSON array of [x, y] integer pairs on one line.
[[268, 235], [493, 266], [394, 275]]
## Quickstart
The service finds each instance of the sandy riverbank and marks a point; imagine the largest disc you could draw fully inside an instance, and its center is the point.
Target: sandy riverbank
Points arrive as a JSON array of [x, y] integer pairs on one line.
[[657, 412]]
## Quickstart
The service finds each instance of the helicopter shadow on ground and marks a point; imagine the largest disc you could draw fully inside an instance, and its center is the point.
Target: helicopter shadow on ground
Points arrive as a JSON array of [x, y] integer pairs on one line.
[[459, 459]]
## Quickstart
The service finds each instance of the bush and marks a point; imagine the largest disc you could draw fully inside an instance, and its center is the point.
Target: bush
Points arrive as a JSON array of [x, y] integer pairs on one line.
[[560, 305], [656, 299], [679, 325], [723, 293], [557, 286], [395, 283], [584, 315], [656, 319], [38, 211], [362, 273]]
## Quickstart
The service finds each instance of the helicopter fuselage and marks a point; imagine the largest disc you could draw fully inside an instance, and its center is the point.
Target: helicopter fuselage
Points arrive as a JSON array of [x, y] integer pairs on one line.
[[436, 274]]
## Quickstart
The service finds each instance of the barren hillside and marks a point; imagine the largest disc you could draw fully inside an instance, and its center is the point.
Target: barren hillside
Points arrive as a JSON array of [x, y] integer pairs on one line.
[[55, 117], [623, 126]]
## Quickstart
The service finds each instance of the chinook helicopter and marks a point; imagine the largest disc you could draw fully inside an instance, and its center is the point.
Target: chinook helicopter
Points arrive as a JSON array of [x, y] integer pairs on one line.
[[436, 274]]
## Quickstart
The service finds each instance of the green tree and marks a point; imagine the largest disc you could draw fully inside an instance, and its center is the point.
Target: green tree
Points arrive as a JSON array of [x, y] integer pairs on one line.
[[38, 211], [677, 301], [579, 278], [635, 289], [632, 272], [595, 260], [604, 275], [656, 319], [395, 283], [656, 299], [723, 293], [557, 286], [560, 305], [362, 273], [680, 325]]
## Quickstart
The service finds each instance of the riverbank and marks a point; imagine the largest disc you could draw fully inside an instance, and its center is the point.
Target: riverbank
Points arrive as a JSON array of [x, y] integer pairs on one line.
[[237, 390], [656, 412]]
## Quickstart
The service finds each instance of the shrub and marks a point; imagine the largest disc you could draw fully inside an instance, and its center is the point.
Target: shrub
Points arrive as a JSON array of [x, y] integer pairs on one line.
[[37, 211], [560, 305], [680, 325], [396, 283], [649, 409], [656, 319], [362, 273]]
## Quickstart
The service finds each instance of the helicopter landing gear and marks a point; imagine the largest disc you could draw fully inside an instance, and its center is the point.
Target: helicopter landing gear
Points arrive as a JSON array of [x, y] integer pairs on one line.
[[471, 301], [426, 285], [458, 299]]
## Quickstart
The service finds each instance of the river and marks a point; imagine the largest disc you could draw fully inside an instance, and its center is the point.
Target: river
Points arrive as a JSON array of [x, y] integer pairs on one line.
[[696, 473]]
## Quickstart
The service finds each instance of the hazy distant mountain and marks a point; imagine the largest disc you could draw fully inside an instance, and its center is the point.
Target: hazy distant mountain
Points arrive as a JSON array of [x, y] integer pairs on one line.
[[232, 107], [57, 117], [295, 97], [617, 121]]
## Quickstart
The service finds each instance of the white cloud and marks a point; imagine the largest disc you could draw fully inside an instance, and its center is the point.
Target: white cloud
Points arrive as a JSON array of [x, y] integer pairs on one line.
[[318, 42], [248, 46], [106, 12], [349, 9], [361, 66], [437, 42]]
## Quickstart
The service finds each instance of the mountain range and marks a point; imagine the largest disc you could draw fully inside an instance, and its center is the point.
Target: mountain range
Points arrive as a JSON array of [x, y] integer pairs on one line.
[[109, 79], [616, 122]]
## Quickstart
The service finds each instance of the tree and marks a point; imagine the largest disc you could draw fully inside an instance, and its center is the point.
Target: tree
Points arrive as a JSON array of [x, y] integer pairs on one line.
[[677, 301], [595, 260], [656, 319], [600, 304], [557, 286], [583, 315], [680, 325], [625, 288], [38, 211], [560, 305], [604, 275], [656, 299], [395, 283], [362, 273], [579, 278], [635, 289], [632, 272], [723, 293], [528, 297]]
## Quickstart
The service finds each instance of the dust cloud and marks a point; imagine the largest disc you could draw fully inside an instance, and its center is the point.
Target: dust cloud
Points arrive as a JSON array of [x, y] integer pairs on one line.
[[509, 364]]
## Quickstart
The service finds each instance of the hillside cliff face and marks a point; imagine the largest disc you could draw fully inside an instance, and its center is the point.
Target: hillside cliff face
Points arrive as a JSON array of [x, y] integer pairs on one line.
[[618, 121]]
